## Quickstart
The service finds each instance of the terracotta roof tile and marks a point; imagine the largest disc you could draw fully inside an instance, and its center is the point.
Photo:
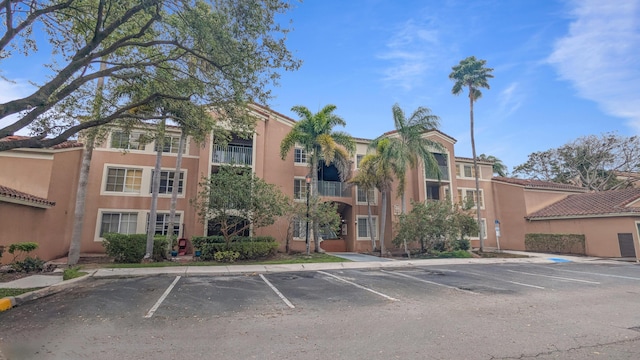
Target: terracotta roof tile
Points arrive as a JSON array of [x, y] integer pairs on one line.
[[592, 204], [8, 192], [63, 145], [534, 184]]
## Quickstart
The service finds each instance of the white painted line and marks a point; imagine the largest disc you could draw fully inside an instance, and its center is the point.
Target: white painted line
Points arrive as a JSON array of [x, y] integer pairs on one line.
[[528, 285], [555, 277], [359, 286], [164, 296], [429, 282], [607, 275], [511, 282], [286, 301]]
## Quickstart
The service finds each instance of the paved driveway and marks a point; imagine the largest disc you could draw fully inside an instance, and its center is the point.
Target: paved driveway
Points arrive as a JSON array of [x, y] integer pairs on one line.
[[568, 311]]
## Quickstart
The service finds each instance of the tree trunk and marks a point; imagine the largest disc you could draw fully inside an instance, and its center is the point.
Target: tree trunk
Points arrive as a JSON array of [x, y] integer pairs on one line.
[[371, 229], [403, 205], [174, 190], [155, 189], [81, 194], [475, 168], [383, 222]]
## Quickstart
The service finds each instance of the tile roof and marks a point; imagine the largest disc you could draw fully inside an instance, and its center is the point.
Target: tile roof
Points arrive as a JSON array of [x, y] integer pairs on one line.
[[63, 145], [471, 160], [428, 131], [538, 184], [592, 204], [10, 193]]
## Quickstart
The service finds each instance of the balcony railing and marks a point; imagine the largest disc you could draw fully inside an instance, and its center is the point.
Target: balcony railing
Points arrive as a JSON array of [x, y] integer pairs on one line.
[[232, 154], [334, 188], [444, 173]]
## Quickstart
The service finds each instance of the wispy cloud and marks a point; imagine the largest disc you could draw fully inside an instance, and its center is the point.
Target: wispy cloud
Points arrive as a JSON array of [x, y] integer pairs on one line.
[[600, 55], [510, 100], [409, 52]]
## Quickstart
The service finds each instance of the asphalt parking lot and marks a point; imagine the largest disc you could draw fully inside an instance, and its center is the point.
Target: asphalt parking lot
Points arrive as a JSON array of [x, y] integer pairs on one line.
[[526, 300]]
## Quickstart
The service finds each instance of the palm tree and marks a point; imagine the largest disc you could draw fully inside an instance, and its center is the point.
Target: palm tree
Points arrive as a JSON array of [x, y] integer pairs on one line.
[[378, 169], [409, 146], [472, 74], [366, 180], [314, 132], [498, 166]]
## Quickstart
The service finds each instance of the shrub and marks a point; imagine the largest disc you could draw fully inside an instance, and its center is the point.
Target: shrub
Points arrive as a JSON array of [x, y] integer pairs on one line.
[[23, 248], [125, 248], [226, 256], [454, 254], [247, 248], [555, 243], [461, 244], [72, 273], [29, 264]]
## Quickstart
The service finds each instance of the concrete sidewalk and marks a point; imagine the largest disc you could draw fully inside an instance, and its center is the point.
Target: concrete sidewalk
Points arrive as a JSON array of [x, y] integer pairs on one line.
[[54, 283]]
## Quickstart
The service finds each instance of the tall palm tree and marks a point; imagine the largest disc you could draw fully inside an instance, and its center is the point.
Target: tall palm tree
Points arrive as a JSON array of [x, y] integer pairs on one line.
[[472, 74], [378, 168], [366, 180], [408, 146], [315, 134], [498, 166]]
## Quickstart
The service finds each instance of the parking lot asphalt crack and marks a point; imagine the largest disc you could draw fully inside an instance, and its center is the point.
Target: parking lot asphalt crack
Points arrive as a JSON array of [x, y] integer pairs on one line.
[[583, 347]]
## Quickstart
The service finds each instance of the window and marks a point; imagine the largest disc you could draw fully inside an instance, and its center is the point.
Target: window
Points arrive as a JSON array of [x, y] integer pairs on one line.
[[363, 227], [299, 156], [483, 228], [299, 189], [122, 223], [465, 194], [124, 180], [300, 228], [171, 144], [433, 192], [162, 224], [125, 140], [469, 171], [359, 158], [362, 196], [166, 182]]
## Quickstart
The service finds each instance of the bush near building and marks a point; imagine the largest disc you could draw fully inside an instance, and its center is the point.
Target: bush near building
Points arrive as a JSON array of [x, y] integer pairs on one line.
[[248, 248]]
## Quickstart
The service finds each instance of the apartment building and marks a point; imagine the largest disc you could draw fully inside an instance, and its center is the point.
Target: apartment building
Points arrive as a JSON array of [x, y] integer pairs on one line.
[[119, 187]]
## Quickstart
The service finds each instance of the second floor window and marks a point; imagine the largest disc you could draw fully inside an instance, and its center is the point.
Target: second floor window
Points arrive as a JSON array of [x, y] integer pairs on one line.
[[126, 140], [299, 156], [171, 144], [124, 180], [166, 182], [299, 189], [465, 195]]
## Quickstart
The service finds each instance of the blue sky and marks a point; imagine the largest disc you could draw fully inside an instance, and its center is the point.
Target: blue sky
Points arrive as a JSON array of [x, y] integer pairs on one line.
[[563, 69]]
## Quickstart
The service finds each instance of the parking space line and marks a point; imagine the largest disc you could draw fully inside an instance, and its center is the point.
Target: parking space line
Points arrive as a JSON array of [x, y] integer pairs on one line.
[[359, 286], [599, 274], [556, 277], [164, 296], [511, 282], [429, 282], [286, 301]]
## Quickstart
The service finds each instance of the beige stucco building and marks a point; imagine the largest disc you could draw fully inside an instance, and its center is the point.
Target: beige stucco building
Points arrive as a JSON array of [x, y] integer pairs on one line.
[[119, 192]]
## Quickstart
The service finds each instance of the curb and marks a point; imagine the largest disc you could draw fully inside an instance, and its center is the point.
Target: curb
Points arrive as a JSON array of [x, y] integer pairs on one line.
[[13, 301]]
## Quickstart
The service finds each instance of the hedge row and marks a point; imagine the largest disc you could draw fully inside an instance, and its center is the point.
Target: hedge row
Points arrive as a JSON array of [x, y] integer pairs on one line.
[[131, 248], [247, 248], [555, 243]]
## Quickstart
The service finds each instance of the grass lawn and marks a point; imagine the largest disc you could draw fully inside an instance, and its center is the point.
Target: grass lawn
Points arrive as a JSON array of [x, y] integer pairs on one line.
[[15, 292], [277, 259], [498, 255]]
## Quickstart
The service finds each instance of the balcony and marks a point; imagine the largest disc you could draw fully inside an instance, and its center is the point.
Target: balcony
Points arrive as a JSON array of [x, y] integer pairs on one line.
[[444, 173], [334, 188], [232, 154]]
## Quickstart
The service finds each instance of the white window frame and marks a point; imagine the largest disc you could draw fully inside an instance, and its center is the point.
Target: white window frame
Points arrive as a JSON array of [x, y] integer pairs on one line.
[[178, 221], [169, 178], [126, 169], [483, 230], [374, 200], [303, 155], [360, 218], [359, 158], [303, 189], [174, 143], [464, 197], [101, 212], [302, 223], [134, 139]]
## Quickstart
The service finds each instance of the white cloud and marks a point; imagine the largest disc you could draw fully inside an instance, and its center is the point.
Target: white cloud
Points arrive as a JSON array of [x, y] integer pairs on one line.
[[510, 100], [11, 91], [409, 52], [601, 53]]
